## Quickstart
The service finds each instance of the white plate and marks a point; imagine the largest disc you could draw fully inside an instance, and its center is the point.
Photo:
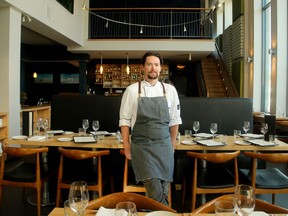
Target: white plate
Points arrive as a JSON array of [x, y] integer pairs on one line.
[[68, 132], [242, 142], [19, 137], [65, 139], [160, 213], [258, 213], [188, 142], [210, 143]]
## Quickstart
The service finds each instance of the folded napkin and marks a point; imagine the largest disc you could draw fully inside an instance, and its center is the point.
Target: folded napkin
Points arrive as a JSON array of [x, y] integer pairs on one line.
[[36, 138], [105, 212]]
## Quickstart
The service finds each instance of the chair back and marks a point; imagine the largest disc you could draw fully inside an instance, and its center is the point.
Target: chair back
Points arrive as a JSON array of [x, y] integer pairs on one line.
[[72, 169], [142, 202]]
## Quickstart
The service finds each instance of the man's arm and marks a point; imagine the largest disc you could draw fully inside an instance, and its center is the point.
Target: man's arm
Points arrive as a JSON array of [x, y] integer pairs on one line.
[[125, 131], [173, 133]]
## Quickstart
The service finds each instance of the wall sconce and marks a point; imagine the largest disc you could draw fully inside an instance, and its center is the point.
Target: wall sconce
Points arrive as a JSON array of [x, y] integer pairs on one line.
[[84, 5], [190, 56], [249, 59], [272, 51], [26, 17], [35, 75]]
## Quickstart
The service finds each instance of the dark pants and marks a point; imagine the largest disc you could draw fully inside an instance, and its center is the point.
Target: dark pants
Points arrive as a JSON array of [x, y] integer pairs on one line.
[[157, 189]]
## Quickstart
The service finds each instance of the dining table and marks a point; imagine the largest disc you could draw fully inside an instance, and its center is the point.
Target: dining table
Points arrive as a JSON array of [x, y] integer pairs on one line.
[[111, 142]]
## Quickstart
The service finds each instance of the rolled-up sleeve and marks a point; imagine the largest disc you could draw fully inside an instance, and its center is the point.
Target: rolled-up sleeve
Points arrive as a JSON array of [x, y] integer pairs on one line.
[[174, 108]]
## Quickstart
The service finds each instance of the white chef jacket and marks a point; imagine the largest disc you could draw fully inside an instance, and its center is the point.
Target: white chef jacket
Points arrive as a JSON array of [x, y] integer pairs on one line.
[[129, 103]]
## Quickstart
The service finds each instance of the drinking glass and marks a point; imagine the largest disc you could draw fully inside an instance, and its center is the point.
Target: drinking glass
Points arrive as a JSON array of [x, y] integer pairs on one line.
[[85, 124], [196, 126], [78, 197], [45, 126], [213, 128], [39, 125], [95, 125], [126, 208], [244, 200], [264, 129], [246, 126]]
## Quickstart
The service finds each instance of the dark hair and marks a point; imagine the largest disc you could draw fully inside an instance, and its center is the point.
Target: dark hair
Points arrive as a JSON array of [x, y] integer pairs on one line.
[[151, 53]]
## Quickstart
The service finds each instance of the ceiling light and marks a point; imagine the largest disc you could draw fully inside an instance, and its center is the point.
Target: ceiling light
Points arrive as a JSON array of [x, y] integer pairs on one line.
[[180, 67], [35, 75], [101, 66], [190, 56]]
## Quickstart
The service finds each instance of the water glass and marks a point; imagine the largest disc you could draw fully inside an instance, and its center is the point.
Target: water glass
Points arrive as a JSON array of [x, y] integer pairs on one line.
[[188, 134], [237, 134], [81, 132], [224, 208], [126, 208], [67, 209]]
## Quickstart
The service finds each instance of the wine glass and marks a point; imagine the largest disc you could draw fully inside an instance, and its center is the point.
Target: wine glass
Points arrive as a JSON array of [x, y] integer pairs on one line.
[[78, 197], [264, 129], [196, 126], [246, 126], [126, 208], [213, 128], [85, 124], [244, 200], [95, 125]]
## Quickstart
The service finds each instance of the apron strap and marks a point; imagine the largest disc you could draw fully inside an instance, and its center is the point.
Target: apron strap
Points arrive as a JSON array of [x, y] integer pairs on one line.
[[139, 89]]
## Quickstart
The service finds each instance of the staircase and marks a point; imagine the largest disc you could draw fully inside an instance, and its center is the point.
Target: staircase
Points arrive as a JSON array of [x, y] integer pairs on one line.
[[213, 80]]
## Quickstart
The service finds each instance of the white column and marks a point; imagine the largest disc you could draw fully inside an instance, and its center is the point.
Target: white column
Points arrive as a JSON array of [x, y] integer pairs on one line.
[[10, 42]]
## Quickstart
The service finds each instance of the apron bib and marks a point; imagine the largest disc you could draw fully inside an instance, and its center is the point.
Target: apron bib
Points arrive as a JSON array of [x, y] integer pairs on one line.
[[151, 150]]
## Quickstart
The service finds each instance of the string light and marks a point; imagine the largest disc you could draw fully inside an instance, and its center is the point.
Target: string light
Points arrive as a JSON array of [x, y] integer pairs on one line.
[[107, 24], [184, 28], [84, 5], [149, 26]]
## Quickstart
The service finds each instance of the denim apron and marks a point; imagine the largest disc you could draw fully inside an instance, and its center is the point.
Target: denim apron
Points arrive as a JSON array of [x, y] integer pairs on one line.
[[151, 150]]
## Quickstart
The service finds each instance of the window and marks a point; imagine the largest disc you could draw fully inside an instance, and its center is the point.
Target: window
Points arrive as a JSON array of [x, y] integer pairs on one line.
[[266, 76]]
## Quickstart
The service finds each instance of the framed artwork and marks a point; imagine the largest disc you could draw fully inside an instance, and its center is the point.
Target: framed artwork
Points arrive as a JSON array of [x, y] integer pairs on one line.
[[69, 78], [44, 78]]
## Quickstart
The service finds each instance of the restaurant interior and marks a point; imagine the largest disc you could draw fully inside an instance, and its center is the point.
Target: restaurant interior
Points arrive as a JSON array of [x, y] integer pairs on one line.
[[68, 60]]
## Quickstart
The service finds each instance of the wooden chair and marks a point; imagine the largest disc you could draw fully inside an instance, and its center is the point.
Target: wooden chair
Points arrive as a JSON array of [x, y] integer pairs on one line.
[[137, 188], [142, 202], [269, 180], [212, 180], [260, 205], [26, 173], [76, 165]]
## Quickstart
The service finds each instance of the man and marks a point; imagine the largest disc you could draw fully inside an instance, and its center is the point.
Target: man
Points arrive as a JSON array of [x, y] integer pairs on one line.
[[152, 110]]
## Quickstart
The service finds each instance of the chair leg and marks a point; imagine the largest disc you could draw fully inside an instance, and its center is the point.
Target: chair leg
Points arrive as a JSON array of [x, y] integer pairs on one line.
[[58, 196], [183, 189], [273, 199], [1, 190]]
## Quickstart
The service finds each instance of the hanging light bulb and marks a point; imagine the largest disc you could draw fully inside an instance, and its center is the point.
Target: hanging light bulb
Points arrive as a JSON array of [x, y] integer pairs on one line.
[[106, 25], [184, 28], [141, 30], [35, 75], [101, 66], [127, 67]]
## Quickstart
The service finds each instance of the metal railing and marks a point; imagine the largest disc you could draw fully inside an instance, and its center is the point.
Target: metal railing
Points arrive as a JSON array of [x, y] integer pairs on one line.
[[150, 23]]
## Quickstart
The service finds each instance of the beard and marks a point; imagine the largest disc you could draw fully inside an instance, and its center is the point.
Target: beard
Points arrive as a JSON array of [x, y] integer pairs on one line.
[[152, 76]]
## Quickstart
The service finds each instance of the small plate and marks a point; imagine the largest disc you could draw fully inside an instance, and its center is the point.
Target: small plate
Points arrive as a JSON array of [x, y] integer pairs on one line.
[[19, 137], [188, 142], [242, 142], [68, 132], [160, 213], [65, 139]]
